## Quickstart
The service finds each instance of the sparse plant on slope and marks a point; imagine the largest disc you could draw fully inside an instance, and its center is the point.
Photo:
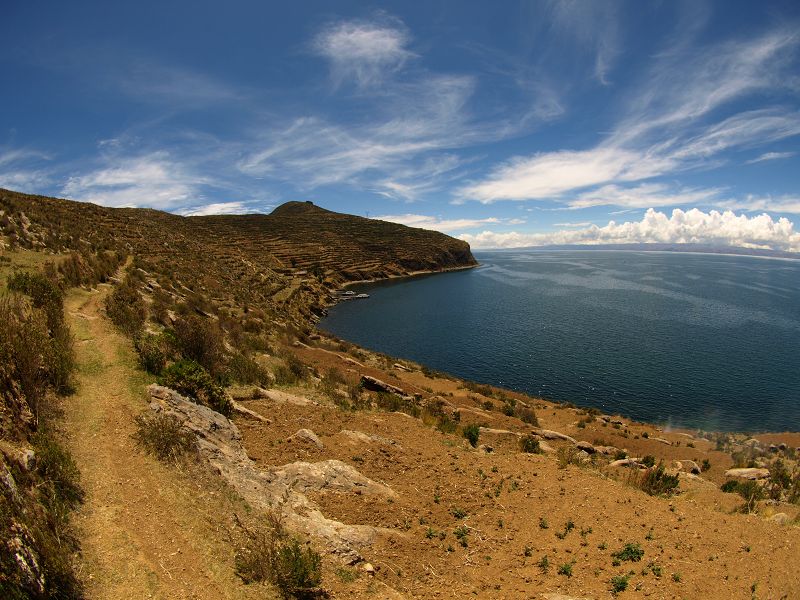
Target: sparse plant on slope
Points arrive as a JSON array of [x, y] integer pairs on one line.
[[125, 307], [472, 433], [656, 481], [163, 436], [271, 554]]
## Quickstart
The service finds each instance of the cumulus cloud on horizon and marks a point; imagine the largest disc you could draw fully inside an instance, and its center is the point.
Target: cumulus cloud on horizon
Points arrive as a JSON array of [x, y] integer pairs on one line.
[[681, 227]]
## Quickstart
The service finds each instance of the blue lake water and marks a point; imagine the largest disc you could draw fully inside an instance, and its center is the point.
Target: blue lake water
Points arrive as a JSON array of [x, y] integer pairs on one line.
[[688, 340]]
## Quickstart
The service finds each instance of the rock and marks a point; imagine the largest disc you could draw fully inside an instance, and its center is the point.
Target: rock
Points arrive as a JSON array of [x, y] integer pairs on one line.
[[752, 442], [284, 398], [556, 596], [400, 367], [554, 435], [368, 568], [306, 436], [751, 473], [781, 518], [661, 440], [782, 447], [586, 447], [688, 465], [607, 450], [773, 448], [376, 385], [625, 462], [243, 410], [360, 436], [545, 447], [486, 448], [277, 488]]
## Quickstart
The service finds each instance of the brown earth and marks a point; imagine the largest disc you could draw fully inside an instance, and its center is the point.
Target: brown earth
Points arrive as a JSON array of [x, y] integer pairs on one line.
[[702, 547], [148, 530]]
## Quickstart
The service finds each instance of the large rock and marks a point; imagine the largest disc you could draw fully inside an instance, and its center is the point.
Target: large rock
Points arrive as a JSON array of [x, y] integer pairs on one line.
[[748, 473], [689, 466], [625, 462], [554, 435], [306, 436], [586, 447], [277, 488], [376, 385]]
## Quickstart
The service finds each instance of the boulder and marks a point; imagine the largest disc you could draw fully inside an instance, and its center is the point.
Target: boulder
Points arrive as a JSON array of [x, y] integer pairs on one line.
[[661, 441], [607, 450], [306, 436], [376, 385], [625, 462], [586, 447], [781, 518], [748, 473], [554, 435], [284, 398], [689, 466]]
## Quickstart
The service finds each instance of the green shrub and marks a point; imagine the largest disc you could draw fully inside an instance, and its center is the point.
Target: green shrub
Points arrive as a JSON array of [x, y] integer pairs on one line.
[[57, 470], [472, 433], [191, 379], [649, 461], [619, 583], [656, 481], [246, 370], [163, 436], [631, 552], [125, 307], [200, 339], [446, 425], [44, 293], [527, 415], [568, 455], [289, 373], [153, 351], [565, 569], [530, 445], [270, 554]]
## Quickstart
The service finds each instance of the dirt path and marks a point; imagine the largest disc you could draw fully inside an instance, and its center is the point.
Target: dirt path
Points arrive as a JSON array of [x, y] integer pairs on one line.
[[148, 530]]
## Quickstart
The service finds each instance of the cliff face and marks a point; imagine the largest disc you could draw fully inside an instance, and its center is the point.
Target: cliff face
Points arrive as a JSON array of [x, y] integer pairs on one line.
[[285, 261]]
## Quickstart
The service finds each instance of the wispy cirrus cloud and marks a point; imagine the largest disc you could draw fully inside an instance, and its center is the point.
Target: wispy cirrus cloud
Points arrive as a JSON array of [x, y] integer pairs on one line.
[[771, 156], [692, 226], [662, 131], [223, 208], [781, 204], [437, 223], [24, 169]]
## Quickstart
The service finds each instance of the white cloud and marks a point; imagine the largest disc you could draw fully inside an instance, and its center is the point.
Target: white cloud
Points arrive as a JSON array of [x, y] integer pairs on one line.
[[771, 156], [363, 51], [782, 204], [20, 170], [436, 223], [151, 180], [646, 195], [659, 134], [581, 224], [218, 208], [692, 226]]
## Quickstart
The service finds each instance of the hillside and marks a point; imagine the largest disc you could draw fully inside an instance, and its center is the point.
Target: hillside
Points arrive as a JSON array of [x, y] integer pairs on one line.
[[230, 449], [292, 256]]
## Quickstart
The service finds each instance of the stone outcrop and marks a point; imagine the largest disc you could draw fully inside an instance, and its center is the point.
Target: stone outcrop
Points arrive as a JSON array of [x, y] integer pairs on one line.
[[276, 488], [376, 385], [748, 473], [306, 436]]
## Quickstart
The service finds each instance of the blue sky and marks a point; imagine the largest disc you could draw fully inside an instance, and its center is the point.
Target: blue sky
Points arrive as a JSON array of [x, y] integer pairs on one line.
[[507, 125]]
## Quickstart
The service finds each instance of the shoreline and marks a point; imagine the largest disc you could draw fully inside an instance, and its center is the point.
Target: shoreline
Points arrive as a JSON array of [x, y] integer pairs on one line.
[[661, 426], [407, 275]]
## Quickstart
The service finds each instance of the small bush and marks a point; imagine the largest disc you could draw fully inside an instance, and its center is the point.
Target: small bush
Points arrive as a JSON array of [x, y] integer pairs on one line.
[[527, 415], [446, 425], [568, 455], [200, 339], [153, 351], [291, 372], [565, 569], [270, 554], [631, 552], [649, 461], [190, 379], [530, 445], [244, 369], [125, 307], [656, 481], [472, 433], [619, 583], [163, 436]]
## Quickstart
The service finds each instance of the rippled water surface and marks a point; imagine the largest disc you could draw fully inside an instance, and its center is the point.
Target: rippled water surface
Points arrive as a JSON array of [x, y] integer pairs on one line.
[[691, 340]]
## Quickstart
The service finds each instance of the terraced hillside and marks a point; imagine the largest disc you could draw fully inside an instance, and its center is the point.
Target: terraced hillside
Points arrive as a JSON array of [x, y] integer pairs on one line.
[[290, 258]]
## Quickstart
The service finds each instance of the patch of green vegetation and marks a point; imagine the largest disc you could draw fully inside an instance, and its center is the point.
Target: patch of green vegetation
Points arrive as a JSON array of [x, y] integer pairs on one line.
[[632, 552], [472, 433], [191, 379]]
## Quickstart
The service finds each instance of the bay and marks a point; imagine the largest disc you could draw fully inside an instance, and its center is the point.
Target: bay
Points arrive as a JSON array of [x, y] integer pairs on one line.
[[684, 340]]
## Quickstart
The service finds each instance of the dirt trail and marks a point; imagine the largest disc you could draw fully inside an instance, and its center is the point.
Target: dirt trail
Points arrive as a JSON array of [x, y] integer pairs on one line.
[[148, 531]]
